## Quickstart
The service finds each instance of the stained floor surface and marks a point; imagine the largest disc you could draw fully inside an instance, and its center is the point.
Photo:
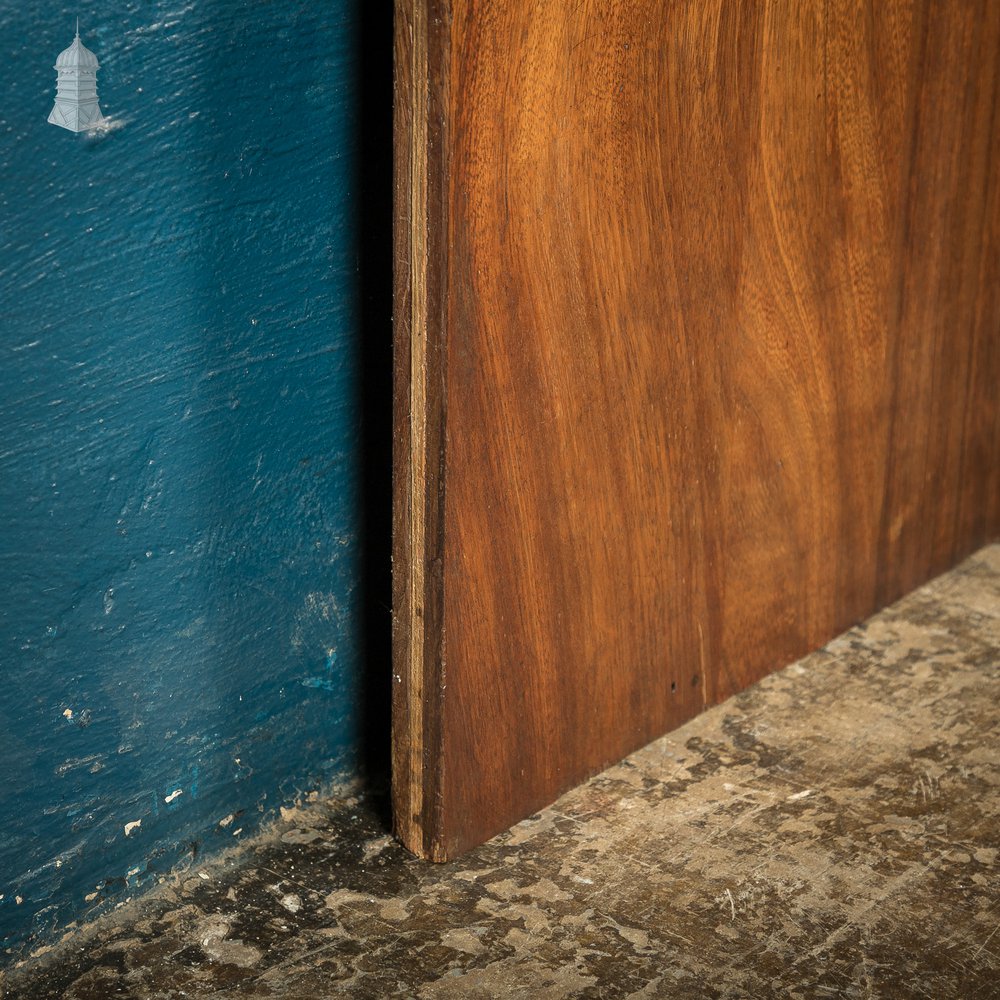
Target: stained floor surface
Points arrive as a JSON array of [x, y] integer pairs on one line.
[[832, 832]]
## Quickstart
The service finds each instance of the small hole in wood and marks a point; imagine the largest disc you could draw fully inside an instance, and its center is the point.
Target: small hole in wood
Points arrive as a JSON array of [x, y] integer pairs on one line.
[[694, 680], [673, 685]]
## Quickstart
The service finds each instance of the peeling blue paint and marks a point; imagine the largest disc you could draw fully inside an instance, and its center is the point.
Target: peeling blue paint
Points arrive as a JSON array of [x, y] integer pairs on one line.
[[179, 428]]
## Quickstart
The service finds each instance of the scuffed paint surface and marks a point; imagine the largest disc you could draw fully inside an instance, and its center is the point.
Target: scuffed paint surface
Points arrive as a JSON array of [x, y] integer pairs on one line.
[[179, 505]]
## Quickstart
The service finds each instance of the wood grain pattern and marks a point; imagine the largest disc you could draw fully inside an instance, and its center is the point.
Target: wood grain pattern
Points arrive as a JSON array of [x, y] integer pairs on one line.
[[698, 354]]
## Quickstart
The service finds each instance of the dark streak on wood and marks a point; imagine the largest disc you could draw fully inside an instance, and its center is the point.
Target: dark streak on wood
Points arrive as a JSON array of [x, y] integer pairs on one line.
[[421, 212]]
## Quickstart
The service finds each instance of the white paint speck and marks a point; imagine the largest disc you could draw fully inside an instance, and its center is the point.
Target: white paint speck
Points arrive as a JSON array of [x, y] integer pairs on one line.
[[68, 713], [226, 820], [19, 900], [291, 902], [203, 875], [238, 831], [90, 897], [176, 793], [131, 827], [800, 795]]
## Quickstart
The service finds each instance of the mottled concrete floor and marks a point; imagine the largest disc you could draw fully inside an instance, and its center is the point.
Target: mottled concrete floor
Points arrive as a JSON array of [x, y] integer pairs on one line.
[[832, 832]]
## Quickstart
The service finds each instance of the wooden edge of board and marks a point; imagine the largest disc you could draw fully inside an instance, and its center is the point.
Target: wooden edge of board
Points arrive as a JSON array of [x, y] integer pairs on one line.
[[420, 265]]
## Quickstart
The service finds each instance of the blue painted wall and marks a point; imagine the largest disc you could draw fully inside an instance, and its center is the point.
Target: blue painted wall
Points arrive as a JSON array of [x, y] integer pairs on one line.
[[180, 627]]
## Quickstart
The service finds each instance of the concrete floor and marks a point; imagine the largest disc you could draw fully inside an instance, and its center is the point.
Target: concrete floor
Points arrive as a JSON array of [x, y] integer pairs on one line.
[[833, 832]]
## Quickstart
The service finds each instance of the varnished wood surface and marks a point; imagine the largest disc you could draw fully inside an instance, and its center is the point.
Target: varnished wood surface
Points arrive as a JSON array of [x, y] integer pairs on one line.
[[698, 354]]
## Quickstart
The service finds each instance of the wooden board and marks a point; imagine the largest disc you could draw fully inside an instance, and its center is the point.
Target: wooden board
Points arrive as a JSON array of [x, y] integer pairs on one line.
[[697, 363]]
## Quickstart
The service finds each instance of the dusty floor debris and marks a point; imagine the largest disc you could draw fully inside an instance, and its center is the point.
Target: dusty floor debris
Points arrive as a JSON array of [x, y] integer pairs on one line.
[[833, 831]]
